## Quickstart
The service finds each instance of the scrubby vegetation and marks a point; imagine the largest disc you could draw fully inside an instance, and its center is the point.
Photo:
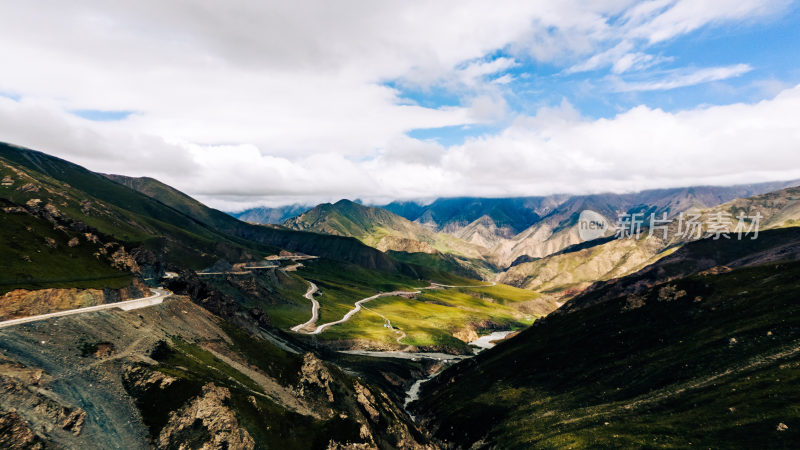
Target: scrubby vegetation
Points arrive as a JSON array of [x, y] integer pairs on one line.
[[703, 361]]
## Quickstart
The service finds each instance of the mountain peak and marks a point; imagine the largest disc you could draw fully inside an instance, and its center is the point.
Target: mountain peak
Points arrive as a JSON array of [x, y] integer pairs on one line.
[[347, 202]]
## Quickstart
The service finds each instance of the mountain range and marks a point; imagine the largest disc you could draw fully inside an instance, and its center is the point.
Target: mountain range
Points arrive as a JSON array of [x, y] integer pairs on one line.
[[494, 236], [463, 323]]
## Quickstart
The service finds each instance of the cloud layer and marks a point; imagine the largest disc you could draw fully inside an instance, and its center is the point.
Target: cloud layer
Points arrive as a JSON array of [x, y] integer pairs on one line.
[[244, 103]]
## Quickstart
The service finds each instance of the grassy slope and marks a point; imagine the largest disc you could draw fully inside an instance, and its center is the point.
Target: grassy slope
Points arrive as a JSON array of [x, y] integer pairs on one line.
[[278, 293], [120, 212], [463, 267], [667, 374], [342, 285], [431, 318], [24, 237], [371, 225]]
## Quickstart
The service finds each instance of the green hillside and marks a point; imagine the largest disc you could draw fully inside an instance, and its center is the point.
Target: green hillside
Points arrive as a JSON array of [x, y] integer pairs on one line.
[[381, 229], [35, 256], [86, 201]]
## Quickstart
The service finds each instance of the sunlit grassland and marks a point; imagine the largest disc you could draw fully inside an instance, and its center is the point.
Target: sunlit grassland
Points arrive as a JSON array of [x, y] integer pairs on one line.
[[433, 316], [428, 319], [341, 285], [503, 293]]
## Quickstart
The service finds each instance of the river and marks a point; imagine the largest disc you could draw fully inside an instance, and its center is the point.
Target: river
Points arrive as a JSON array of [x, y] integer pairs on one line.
[[485, 342]]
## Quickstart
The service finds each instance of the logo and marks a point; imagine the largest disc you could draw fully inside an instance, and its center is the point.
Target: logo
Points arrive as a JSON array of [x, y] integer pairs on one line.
[[592, 225]]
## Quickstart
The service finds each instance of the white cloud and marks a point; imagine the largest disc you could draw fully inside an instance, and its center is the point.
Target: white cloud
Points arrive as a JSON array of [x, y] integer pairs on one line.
[[488, 108], [475, 71], [621, 58], [684, 16], [503, 79], [627, 40], [639, 149], [555, 151], [244, 102], [683, 78]]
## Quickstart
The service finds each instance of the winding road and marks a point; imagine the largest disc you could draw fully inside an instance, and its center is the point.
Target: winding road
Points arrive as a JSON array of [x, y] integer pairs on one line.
[[358, 306], [312, 288], [158, 296]]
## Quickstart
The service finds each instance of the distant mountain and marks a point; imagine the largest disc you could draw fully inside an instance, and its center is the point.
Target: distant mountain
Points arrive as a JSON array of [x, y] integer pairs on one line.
[[274, 216], [568, 272], [327, 246], [696, 350], [410, 210], [512, 215], [381, 229], [519, 213], [535, 227], [500, 232]]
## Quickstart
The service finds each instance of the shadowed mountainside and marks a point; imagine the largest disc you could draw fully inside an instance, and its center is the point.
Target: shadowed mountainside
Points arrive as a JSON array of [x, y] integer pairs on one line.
[[700, 349]]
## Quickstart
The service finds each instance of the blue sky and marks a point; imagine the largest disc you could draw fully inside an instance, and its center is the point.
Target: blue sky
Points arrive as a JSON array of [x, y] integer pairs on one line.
[[770, 47], [101, 116], [243, 103]]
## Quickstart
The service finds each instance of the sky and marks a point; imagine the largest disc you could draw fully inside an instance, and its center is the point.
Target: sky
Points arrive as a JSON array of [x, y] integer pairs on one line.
[[250, 103]]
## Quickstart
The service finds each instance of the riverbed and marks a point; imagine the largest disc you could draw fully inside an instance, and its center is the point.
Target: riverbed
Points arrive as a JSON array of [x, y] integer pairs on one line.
[[485, 342]]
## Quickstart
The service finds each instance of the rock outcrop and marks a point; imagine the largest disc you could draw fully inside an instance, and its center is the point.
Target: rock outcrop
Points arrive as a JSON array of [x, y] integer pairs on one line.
[[206, 422], [24, 303], [41, 407]]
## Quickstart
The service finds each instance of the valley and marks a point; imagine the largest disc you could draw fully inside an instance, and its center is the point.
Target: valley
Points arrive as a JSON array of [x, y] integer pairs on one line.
[[533, 243], [442, 225]]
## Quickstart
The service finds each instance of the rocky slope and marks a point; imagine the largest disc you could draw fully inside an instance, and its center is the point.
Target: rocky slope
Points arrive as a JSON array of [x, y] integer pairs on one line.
[[176, 376], [23, 302], [568, 272], [571, 272]]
